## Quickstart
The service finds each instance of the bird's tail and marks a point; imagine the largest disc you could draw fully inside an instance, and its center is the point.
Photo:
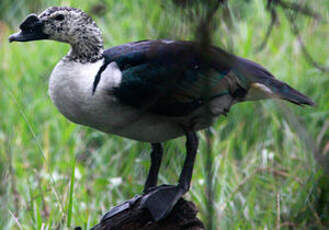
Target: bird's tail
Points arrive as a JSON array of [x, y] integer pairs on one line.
[[264, 85]]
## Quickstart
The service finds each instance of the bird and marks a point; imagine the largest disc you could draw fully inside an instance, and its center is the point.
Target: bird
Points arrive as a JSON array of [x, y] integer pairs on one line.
[[150, 91]]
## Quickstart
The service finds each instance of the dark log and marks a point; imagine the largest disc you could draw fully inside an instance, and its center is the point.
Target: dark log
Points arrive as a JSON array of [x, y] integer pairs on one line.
[[134, 217]]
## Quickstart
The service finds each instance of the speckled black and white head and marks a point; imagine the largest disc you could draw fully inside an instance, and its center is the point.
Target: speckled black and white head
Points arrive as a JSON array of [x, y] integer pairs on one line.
[[65, 24]]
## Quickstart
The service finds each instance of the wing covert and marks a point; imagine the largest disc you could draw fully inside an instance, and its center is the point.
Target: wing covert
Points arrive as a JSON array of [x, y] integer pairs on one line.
[[170, 78]]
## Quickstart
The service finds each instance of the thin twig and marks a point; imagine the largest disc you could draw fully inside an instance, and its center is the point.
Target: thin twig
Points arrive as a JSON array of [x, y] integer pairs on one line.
[[278, 211], [322, 133], [316, 215], [269, 29], [289, 224], [279, 173], [16, 220], [306, 53], [298, 8]]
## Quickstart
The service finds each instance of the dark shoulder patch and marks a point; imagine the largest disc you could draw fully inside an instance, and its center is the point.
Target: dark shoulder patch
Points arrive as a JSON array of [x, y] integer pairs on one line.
[[99, 74]]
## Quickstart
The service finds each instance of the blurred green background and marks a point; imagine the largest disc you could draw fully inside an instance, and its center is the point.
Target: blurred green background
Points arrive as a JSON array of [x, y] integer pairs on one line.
[[267, 156]]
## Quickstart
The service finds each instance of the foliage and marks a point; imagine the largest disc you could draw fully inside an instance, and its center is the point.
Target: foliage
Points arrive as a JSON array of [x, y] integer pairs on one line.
[[265, 173]]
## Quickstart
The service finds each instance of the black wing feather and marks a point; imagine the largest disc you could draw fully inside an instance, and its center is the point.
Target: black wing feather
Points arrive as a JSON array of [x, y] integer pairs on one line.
[[169, 78]]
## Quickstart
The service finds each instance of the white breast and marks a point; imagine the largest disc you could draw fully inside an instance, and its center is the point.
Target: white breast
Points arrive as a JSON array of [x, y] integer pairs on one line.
[[70, 88]]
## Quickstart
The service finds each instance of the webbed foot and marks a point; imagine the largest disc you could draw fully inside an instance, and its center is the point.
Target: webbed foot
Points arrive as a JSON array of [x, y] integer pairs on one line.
[[161, 200], [120, 208]]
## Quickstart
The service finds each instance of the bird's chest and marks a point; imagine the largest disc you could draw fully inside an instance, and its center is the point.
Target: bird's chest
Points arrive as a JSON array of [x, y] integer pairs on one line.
[[70, 88]]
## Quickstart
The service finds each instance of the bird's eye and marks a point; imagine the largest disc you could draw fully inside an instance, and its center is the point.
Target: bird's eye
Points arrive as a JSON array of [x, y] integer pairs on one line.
[[59, 17]]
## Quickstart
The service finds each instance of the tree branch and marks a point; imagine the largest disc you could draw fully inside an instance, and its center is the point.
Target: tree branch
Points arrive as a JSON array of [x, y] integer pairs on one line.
[[183, 216]]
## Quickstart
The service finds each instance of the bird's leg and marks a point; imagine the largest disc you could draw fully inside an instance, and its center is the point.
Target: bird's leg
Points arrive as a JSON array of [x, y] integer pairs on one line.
[[152, 178], [161, 200], [191, 150], [156, 157]]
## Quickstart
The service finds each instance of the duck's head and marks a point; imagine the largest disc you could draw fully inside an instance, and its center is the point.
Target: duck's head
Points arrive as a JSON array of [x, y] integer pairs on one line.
[[64, 24]]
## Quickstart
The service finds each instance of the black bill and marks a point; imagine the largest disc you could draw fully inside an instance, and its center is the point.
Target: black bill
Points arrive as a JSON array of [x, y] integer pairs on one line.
[[31, 29]]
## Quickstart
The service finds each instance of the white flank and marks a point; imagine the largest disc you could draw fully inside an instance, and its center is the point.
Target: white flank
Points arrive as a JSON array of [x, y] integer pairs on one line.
[[259, 91], [262, 87]]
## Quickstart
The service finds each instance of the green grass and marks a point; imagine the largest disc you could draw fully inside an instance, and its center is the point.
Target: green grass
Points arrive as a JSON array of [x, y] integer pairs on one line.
[[55, 174]]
